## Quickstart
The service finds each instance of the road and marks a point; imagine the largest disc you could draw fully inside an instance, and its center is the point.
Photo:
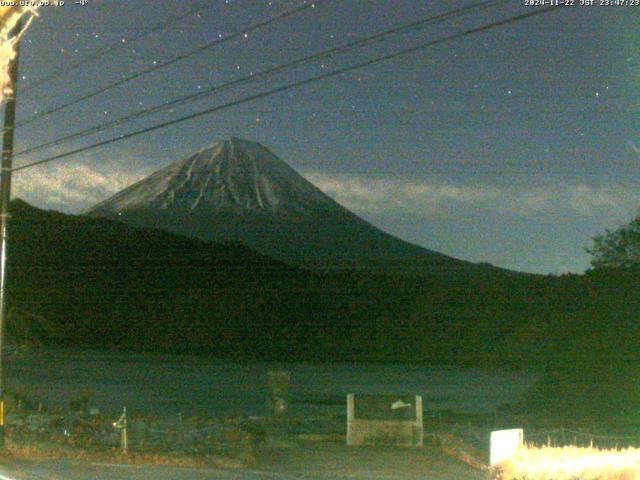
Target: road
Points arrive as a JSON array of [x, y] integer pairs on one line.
[[327, 463], [65, 470]]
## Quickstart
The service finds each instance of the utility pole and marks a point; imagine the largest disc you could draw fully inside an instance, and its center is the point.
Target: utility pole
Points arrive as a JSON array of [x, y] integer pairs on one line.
[[5, 197]]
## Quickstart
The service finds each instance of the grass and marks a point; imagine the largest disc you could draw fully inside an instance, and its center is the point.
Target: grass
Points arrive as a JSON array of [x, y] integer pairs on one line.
[[47, 451], [230, 446], [570, 463], [22, 449]]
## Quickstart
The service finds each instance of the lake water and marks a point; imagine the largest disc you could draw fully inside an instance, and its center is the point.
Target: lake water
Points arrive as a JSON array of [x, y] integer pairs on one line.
[[163, 384]]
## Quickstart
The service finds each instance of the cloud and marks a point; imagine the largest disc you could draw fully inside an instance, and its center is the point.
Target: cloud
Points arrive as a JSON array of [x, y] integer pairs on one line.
[[71, 187], [421, 199], [76, 186]]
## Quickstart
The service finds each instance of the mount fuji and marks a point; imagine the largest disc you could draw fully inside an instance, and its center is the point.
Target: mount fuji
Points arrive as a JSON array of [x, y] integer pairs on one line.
[[237, 190]]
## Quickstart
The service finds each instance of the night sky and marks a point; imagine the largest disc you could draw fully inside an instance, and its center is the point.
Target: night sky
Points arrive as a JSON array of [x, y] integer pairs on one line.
[[512, 146]]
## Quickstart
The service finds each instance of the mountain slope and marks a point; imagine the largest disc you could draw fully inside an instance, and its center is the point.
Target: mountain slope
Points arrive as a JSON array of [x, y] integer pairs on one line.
[[104, 284], [238, 190], [100, 283]]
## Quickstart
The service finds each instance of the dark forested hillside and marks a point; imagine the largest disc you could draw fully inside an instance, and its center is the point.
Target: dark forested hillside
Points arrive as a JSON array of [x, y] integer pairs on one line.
[[103, 284], [99, 283]]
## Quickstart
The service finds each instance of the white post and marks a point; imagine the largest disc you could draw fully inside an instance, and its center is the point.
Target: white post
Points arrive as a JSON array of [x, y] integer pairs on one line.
[[350, 418], [124, 440], [419, 421]]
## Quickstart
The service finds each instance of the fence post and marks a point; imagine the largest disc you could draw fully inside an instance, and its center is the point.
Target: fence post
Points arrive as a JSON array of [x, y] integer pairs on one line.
[[350, 418], [419, 422], [278, 386], [121, 424]]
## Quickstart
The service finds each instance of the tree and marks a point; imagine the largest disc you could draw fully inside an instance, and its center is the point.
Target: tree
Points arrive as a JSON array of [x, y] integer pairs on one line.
[[619, 248]]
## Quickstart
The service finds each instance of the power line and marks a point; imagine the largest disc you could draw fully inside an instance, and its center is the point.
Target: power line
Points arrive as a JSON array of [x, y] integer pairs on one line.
[[265, 73], [293, 85], [172, 61], [108, 49]]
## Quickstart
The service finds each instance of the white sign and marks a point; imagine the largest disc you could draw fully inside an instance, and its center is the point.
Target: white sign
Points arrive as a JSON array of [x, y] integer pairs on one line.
[[505, 444]]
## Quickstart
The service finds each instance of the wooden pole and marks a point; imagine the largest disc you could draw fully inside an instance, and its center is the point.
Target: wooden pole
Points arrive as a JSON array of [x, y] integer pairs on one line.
[[5, 197]]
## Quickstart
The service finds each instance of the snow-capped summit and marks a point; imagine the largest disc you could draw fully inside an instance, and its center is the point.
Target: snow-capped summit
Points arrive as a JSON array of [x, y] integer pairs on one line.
[[231, 175], [238, 190]]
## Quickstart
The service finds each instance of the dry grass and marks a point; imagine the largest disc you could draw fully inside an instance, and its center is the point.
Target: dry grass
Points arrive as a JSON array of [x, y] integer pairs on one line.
[[48, 451], [457, 448], [571, 463]]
